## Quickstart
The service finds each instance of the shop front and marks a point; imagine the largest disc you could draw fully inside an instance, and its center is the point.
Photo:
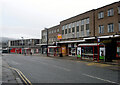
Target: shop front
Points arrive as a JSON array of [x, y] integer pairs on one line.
[[91, 51], [72, 49], [54, 51]]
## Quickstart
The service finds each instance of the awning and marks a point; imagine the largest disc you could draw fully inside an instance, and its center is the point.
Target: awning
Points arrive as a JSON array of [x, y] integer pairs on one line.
[[52, 46], [89, 44], [72, 41]]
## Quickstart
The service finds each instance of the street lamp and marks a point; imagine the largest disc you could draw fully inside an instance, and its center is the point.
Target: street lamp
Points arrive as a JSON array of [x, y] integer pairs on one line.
[[22, 44], [47, 39]]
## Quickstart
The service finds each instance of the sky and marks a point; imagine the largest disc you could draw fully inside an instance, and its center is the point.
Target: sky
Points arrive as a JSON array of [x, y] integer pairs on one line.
[[26, 18]]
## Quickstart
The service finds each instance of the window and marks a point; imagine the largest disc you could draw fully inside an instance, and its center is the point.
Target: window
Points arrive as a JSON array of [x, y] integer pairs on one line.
[[77, 29], [66, 26], [100, 15], [110, 12], [73, 24], [82, 22], [82, 28], [119, 10], [87, 26], [58, 30], [78, 23], [73, 29], [65, 31], [111, 27], [69, 30], [87, 21], [54, 30], [62, 32], [119, 26], [87, 32], [82, 33], [69, 26], [101, 29]]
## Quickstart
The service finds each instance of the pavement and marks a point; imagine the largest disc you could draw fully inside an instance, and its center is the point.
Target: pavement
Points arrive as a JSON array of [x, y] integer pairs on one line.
[[9, 76]]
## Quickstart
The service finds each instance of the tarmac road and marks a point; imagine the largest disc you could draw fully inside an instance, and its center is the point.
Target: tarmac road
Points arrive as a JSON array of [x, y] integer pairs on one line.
[[39, 69]]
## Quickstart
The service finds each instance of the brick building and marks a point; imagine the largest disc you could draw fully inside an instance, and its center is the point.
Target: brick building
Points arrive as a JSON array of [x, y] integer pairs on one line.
[[95, 32]]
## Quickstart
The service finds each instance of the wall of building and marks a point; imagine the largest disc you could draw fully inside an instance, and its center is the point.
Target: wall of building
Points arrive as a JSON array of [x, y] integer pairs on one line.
[[105, 20], [52, 34]]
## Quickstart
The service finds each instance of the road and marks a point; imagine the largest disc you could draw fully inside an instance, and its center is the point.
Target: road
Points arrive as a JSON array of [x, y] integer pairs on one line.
[[40, 69]]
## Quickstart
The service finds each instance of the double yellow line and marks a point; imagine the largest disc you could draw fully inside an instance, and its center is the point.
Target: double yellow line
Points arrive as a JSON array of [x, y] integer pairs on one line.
[[26, 81]]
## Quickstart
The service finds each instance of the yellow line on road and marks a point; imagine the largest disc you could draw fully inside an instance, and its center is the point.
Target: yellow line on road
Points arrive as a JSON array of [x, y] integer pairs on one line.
[[98, 64], [27, 82]]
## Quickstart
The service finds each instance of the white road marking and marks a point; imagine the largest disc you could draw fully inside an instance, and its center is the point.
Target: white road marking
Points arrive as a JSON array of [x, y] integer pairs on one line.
[[59, 67], [99, 78]]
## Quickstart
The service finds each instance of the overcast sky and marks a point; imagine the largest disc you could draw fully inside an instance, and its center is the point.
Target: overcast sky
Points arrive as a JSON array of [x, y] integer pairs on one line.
[[26, 18]]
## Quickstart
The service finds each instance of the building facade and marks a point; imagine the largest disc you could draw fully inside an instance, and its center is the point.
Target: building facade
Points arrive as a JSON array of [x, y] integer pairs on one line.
[[95, 33], [24, 46]]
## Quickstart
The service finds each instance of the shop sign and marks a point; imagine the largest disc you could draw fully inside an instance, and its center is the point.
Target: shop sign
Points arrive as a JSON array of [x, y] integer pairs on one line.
[[79, 52], [98, 40], [59, 36], [102, 53]]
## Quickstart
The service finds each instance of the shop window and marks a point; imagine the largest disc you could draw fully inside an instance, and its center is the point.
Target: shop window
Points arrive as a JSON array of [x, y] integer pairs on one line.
[[111, 27], [118, 51], [110, 12]]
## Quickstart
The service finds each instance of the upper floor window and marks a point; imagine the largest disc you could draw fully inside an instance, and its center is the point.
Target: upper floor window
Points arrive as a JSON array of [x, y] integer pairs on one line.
[[69, 26], [62, 27], [82, 28], [69, 30], [77, 29], [54, 30], [101, 29], [87, 26], [100, 15], [82, 22], [66, 26], [62, 32], [73, 24], [65, 31], [73, 29], [58, 30], [78, 23], [111, 27], [110, 12], [87, 21], [118, 9]]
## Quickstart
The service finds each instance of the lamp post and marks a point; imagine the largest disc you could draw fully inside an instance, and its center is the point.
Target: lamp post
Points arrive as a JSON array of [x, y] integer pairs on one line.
[[22, 44], [47, 39]]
